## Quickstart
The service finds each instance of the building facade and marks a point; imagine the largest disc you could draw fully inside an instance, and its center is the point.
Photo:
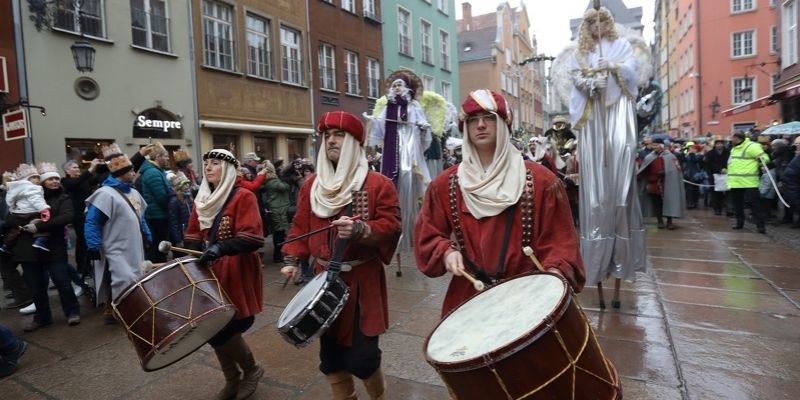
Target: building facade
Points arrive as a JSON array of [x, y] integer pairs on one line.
[[141, 88], [787, 87], [253, 69], [12, 150], [347, 63], [420, 35], [490, 49]]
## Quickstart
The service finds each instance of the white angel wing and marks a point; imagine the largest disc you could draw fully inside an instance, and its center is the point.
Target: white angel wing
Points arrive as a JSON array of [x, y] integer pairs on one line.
[[642, 52], [560, 74]]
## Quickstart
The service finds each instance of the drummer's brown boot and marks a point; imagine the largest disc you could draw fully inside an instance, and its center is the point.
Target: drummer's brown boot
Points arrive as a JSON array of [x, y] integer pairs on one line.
[[342, 385], [252, 371], [233, 376], [376, 386]]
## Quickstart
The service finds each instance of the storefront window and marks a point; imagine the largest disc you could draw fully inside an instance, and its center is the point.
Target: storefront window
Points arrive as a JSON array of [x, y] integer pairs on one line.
[[297, 147], [85, 150], [265, 147], [227, 142]]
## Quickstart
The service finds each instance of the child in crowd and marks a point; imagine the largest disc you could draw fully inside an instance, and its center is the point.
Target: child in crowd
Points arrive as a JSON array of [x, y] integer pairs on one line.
[[180, 207], [26, 205]]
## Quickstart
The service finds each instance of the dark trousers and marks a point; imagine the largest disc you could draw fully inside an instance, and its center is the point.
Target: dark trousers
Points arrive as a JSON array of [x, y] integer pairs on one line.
[[718, 201], [37, 276], [692, 195], [361, 359], [159, 228], [8, 341], [749, 195], [658, 205], [277, 238], [80, 249], [13, 281], [232, 328]]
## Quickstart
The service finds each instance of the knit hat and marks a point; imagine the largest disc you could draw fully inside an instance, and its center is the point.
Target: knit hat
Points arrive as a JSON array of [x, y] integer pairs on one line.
[[485, 100], [118, 163], [26, 171], [344, 121], [179, 181], [251, 157], [221, 154], [48, 170]]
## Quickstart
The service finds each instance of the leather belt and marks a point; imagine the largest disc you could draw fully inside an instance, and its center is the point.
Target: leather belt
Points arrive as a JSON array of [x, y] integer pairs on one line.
[[347, 266]]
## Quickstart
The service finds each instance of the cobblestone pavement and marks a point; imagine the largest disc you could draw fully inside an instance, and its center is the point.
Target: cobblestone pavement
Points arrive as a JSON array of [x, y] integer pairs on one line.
[[716, 316]]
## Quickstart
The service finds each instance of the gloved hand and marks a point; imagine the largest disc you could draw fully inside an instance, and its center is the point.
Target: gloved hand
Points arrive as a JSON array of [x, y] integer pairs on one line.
[[93, 254], [30, 228], [212, 253]]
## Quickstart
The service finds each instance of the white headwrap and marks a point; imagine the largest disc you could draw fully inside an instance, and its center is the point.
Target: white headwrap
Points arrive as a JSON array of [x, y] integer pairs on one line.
[[332, 189], [488, 192], [209, 203]]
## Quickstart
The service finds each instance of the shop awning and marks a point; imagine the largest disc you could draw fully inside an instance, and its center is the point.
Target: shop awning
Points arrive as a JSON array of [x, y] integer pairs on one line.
[[788, 93], [755, 104], [236, 126]]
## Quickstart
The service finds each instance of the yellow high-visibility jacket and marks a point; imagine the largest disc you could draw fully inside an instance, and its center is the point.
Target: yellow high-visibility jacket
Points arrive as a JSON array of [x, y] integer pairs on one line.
[[743, 165]]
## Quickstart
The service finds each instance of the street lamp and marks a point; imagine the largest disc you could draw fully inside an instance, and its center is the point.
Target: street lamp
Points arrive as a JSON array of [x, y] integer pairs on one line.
[[714, 106], [83, 53]]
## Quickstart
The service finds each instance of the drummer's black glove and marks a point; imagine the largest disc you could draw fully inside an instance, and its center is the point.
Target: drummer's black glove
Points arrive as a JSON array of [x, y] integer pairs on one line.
[[93, 254], [212, 253]]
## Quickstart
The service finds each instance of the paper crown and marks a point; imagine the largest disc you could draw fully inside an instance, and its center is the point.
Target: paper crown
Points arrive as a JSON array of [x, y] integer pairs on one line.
[[8, 177], [180, 155], [178, 181], [25, 171], [157, 149], [48, 170], [115, 159]]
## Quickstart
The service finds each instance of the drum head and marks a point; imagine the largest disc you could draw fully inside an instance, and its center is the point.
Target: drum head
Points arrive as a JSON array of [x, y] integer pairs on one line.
[[494, 318], [189, 338], [302, 299]]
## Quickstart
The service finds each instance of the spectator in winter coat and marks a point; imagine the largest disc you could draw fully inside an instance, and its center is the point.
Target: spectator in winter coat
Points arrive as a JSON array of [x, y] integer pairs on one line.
[[78, 185], [715, 162], [26, 204], [180, 207], [791, 181], [156, 191], [278, 201]]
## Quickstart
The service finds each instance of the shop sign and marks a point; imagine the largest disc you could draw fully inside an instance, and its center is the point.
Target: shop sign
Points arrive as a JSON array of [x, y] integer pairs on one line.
[[15, 124], [143, 122]]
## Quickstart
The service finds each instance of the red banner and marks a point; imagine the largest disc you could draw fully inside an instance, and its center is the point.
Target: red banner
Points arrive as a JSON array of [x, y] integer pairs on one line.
[[15, 124]]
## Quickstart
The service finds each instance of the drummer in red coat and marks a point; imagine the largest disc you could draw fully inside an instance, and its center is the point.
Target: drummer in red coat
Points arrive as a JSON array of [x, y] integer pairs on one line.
[[225, 221], [494, 204], [350, 346]]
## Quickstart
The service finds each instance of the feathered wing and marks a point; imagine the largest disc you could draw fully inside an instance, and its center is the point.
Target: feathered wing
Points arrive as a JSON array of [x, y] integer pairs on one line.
[[380, 104], [560, 74], [435, 110], [641, 51]]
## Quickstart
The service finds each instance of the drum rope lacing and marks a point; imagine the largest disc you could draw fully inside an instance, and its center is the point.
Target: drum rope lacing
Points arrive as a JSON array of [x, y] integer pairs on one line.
[[572, 361], [153, 305]]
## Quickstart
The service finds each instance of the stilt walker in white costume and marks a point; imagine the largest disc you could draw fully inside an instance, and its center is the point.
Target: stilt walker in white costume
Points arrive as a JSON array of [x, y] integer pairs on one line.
[[603, 70]]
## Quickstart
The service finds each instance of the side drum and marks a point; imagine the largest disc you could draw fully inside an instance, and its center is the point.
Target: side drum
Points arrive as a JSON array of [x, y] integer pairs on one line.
[[524, 338], [172, 311], [313, 309]]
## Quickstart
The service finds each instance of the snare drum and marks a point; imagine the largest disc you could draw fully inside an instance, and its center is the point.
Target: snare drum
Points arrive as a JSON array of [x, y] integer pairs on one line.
[[524, 338], [172, 311], [313, 309]]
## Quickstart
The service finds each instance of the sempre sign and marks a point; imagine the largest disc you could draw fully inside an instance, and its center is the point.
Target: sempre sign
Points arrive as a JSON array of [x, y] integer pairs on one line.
[[143, 122]]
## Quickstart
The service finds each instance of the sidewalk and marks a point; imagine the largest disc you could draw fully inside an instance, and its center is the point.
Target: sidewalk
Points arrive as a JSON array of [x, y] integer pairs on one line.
[[717, 316]]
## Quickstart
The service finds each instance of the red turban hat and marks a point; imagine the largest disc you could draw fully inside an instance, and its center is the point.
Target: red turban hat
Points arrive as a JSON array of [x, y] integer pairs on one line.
[[485, 100], [343, 121]]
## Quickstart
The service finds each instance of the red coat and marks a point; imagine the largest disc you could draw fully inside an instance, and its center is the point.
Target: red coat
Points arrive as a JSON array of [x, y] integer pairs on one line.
[[239, 274], [653, 175], [553, 237], [367, 281], [253, 185]]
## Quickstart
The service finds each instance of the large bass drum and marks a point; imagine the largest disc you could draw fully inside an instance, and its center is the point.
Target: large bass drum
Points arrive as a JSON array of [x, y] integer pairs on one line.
[[172, 311], [524, 338], [313, 309]]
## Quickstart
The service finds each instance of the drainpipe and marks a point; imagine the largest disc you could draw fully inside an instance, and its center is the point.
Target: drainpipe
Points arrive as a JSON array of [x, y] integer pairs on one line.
[[313, 153], [699, 61], [21, 74], [198, 150]]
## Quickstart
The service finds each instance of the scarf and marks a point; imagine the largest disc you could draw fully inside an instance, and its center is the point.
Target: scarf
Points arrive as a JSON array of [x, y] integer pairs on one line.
[[488, 192], [396, 110], [209, 201], [333, 187]]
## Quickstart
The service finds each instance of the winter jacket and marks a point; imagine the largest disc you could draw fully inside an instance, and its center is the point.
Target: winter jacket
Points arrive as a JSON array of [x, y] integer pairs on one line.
[[95, 219], [61, 215], [79, 189], [156, 191], [744, 166], [791, 182], [278, 201], [25, 197], [178, 218]]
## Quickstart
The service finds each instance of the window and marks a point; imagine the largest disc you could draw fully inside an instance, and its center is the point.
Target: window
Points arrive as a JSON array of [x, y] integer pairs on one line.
[[444, 42], [738, 6], [327, 66], [373, 78], [349, 5], [773, 39], [88, 21], [744, 90], [427, 46], [428, 83], [292, 62], [351, 73], [404, 30], [227, 142], [447, 90], [789, 40], [265, 147], [742, 45], [369, 9], [150, 24], [442, 5], [259, 54], [217, 35]]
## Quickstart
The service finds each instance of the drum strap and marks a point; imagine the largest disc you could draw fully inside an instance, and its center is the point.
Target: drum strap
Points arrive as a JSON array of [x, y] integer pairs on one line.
[[212, 234], [480, 273], [335, 264]]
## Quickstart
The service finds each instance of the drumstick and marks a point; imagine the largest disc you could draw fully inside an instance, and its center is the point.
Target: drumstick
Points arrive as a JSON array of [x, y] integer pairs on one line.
[[529, 252], [478, 285], [166, 246], [314, 232]]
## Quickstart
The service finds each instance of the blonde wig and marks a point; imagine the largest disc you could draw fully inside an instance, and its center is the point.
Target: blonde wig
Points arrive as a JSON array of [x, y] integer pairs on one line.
[[587, 43]]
